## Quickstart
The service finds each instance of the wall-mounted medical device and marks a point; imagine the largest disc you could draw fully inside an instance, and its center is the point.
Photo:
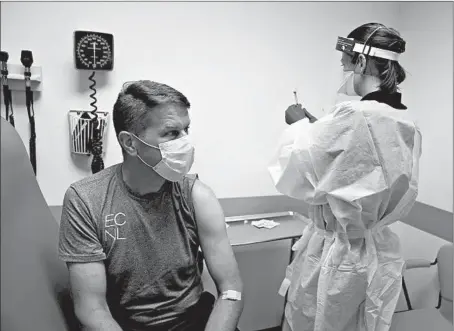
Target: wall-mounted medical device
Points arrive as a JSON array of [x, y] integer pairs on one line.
[[25, 77], [92, 51]]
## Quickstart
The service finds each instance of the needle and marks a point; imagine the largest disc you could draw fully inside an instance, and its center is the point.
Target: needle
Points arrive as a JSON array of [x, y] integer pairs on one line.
[[296, 96]]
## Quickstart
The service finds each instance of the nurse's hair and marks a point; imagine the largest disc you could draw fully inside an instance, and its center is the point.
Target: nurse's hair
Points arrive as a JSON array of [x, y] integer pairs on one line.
[[390, 72], [137, 99]]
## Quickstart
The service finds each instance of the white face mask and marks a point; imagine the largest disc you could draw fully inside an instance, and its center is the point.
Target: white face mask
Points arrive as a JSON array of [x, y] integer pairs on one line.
[[177, 158], [348, 84]]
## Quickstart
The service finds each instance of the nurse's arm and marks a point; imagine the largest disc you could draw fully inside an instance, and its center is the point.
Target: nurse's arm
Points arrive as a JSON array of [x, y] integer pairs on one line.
[[219, 258]]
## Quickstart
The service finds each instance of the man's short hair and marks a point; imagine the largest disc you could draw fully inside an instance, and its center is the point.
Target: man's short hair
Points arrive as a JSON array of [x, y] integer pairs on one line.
[[137, 99]]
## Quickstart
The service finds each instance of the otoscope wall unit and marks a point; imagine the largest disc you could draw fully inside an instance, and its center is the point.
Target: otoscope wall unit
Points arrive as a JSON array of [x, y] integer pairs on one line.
[[16, 77]]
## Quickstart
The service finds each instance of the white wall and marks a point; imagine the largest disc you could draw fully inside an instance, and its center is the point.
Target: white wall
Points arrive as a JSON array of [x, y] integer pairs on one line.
[[428, 92], [238, 63]]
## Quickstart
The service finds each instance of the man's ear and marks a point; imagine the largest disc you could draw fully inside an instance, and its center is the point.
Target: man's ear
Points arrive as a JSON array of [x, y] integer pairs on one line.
[[127, 143]]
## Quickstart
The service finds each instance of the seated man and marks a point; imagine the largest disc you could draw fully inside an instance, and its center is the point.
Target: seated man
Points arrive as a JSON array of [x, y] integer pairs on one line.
[[131, 233]]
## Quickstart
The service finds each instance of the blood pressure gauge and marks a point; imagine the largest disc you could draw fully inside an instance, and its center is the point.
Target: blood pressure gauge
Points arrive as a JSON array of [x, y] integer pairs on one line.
[[93, 50]]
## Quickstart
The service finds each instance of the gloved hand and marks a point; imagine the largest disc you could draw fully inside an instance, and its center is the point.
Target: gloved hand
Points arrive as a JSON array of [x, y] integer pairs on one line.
[[295, 112]]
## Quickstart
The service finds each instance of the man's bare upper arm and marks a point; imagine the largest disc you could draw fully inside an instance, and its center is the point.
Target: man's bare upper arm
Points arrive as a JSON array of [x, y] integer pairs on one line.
[[88, 286], [215, 243]]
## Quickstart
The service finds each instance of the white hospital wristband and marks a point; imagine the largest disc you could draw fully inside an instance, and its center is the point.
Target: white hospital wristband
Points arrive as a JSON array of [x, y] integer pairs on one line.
[[231, 295]]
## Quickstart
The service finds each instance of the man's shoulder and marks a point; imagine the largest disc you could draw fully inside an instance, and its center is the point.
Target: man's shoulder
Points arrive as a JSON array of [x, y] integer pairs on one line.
[[201, 193], [96, 184], [188, 181]]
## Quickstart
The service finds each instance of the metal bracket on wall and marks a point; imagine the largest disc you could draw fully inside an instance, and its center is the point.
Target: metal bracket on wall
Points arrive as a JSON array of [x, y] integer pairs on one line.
[[16, 77]]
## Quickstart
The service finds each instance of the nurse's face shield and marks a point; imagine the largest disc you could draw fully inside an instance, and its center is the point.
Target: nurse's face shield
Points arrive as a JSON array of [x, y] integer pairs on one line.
[[350, 46]]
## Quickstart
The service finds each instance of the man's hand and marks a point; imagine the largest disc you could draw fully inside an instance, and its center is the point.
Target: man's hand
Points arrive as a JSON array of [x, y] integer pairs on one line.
[[219, 258], [295, 113]]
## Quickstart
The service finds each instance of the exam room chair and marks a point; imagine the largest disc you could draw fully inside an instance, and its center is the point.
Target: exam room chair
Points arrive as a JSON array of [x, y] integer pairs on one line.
[[34, 282], [439, 318]]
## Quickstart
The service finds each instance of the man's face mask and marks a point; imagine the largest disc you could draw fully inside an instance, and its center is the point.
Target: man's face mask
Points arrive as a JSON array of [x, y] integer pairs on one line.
[[177, 158]]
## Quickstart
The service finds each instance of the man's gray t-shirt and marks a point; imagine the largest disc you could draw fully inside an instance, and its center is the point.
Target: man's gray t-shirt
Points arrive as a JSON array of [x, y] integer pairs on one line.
[[149, 245]]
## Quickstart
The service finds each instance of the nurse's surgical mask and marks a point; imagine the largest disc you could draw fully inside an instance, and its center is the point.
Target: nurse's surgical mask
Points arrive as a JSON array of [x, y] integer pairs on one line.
[[177, 158], [348, 84]]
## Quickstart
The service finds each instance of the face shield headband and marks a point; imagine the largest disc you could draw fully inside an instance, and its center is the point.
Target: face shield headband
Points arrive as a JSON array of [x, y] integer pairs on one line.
[[349, 46]]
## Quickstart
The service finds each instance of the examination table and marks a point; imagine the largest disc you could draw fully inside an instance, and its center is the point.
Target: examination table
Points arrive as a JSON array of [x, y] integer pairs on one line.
[[34, 282]]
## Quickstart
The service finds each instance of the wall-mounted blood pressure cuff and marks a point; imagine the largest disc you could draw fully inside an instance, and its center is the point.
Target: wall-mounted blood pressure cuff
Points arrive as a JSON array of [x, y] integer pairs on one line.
[[231, 295], [349, 45]]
